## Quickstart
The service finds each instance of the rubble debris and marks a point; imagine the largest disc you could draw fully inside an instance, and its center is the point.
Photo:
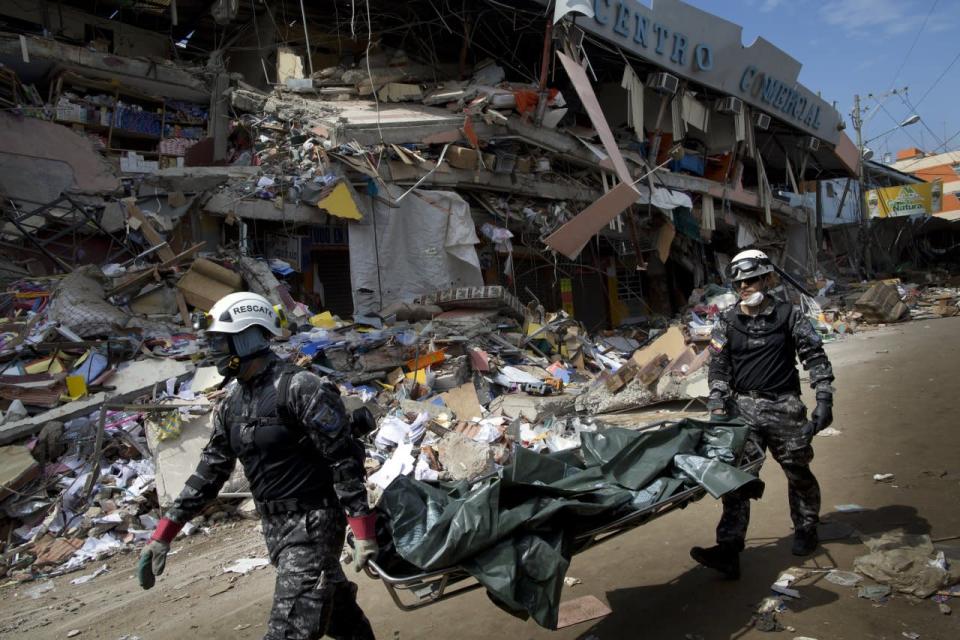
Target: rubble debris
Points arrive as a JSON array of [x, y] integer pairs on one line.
[[881, 303], [243, 566], [401, 213], [580, 610], [462, 458], [908, 563]]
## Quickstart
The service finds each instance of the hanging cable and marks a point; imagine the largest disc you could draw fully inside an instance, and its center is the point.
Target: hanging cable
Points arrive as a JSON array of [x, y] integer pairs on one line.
[[913, 109], [916, 39], [936, 82]]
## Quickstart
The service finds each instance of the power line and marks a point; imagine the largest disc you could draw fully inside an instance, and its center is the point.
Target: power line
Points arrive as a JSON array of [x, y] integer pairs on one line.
[[936, 82], [916, 39], [897, 122], [913, 109]]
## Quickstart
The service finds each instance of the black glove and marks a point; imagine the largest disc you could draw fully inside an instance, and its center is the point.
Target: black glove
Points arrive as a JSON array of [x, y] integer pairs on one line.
[[822, 416]]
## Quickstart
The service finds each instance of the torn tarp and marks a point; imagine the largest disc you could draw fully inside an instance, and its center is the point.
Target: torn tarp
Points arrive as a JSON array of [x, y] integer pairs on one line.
[[515, 532], [424, 245]]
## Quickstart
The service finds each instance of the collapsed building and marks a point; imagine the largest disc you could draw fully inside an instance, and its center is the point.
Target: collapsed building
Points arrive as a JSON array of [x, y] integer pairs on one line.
[[307, 151], [483, 222]]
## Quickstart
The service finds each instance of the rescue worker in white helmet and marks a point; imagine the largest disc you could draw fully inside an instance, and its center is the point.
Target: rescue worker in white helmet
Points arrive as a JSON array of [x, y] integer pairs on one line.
[[753, 375], [289, 429]]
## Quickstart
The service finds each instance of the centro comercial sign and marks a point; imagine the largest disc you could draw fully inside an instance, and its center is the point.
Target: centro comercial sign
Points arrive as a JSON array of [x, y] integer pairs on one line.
[[707, 49]]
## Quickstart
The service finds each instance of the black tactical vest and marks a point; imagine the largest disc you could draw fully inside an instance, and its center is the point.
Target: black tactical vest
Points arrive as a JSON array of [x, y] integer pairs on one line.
[[762, 351], [285, 470]]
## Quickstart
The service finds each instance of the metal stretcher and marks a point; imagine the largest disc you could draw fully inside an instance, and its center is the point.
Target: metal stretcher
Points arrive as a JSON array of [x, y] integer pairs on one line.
[[417, 590]]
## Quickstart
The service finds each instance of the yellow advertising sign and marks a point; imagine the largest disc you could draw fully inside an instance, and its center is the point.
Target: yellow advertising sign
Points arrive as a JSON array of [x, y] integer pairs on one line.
[[906, 200]]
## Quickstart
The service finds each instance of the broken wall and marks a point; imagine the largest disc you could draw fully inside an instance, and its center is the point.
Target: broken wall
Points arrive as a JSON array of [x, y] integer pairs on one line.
[[71, 23], [64, 159], [424, 245]]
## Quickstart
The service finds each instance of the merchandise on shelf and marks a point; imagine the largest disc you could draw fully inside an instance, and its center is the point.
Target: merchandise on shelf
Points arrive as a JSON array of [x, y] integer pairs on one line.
[[131, 117], [176, 146], [180, 131]]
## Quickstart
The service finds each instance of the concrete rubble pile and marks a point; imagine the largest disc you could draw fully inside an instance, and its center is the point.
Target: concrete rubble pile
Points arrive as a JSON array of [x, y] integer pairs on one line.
[[435, 190], [108, 408], [841, 308]]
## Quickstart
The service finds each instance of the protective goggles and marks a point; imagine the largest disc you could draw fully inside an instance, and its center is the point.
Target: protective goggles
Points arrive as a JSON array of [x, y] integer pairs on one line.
[[218, 343], [747, 265]]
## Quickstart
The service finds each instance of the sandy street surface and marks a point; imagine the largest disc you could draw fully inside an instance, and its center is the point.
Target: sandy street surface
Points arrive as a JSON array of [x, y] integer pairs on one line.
[[896, 407]]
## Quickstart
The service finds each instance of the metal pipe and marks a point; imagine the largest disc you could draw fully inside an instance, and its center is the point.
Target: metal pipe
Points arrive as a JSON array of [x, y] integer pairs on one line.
[[306, 36], [544, 68]]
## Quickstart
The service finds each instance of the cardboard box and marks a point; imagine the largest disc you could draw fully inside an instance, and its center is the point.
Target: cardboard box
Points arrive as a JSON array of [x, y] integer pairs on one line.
[[206, 282], [463, 158]]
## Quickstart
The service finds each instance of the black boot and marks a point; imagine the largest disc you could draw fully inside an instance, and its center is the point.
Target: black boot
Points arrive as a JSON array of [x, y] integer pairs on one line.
[[805, 541], [723, 557]]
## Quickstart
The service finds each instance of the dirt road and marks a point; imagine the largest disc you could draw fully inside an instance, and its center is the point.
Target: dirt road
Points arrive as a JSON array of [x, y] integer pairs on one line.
[[898, 392]]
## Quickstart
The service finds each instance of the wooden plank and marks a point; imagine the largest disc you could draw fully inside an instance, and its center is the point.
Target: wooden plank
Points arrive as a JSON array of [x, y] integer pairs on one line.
[[184, 313], [143, 278], [589, 99], [149, 232], [572, 237]]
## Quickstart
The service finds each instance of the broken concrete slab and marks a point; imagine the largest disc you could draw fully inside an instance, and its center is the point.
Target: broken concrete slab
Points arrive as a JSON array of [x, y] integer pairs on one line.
[[598, 399], [176, 459], [463, 458], [580, 610], [17, 467], [31, 139], [683, 387], [881, 303], [130, 381], [196, 179], [532, 408], [225, 204]]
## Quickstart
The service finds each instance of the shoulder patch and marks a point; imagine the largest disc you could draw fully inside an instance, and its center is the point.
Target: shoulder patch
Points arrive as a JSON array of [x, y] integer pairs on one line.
[[717, 343]]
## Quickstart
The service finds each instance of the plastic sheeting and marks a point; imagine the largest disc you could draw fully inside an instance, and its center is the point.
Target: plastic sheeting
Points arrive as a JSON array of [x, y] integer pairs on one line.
[[515, 532], [424, 245]]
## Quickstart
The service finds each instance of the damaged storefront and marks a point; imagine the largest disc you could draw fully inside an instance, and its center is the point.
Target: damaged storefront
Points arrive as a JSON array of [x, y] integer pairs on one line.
[[332, 138], [503, 230]]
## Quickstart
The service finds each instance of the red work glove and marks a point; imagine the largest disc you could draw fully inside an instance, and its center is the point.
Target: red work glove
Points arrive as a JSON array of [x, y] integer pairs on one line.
[[364, 539], [153, 558]]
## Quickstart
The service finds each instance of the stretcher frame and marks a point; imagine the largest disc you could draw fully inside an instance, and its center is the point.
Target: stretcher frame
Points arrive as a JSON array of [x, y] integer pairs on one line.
[[416, 591]]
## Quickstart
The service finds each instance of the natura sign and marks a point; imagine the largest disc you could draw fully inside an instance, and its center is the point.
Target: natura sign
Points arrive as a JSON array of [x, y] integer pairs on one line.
[[707, 49]]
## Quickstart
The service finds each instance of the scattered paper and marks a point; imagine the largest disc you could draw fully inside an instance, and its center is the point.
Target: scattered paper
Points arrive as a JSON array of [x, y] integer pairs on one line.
[[830, 431], [244, 566], [849, 508], [90, 576], [571, 581], [883, 477], [400, 463], [844, 578]]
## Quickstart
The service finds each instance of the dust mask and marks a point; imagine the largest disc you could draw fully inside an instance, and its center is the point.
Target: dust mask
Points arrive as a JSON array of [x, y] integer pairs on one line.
[[754, 299]]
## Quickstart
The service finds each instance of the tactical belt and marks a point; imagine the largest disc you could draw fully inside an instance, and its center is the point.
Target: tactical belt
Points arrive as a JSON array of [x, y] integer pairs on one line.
[[294, 505], [768, 395]]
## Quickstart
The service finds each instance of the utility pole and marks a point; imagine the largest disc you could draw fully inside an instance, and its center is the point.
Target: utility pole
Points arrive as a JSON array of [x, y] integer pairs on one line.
[[865, 262]]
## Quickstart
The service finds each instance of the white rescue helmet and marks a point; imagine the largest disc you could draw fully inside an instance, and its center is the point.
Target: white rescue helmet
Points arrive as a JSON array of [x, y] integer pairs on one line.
[[238, 311], [748, 264]]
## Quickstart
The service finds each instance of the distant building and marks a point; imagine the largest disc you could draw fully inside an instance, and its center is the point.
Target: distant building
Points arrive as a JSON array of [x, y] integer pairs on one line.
[[839, 197], [941, 166]]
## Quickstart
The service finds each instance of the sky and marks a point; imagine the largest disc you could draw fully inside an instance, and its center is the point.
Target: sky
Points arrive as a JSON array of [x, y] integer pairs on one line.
[[858, 46]]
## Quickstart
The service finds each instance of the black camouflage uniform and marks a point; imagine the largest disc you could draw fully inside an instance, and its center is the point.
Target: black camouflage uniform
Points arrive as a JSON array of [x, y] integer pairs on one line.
[[305, 468], [753, 375]]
